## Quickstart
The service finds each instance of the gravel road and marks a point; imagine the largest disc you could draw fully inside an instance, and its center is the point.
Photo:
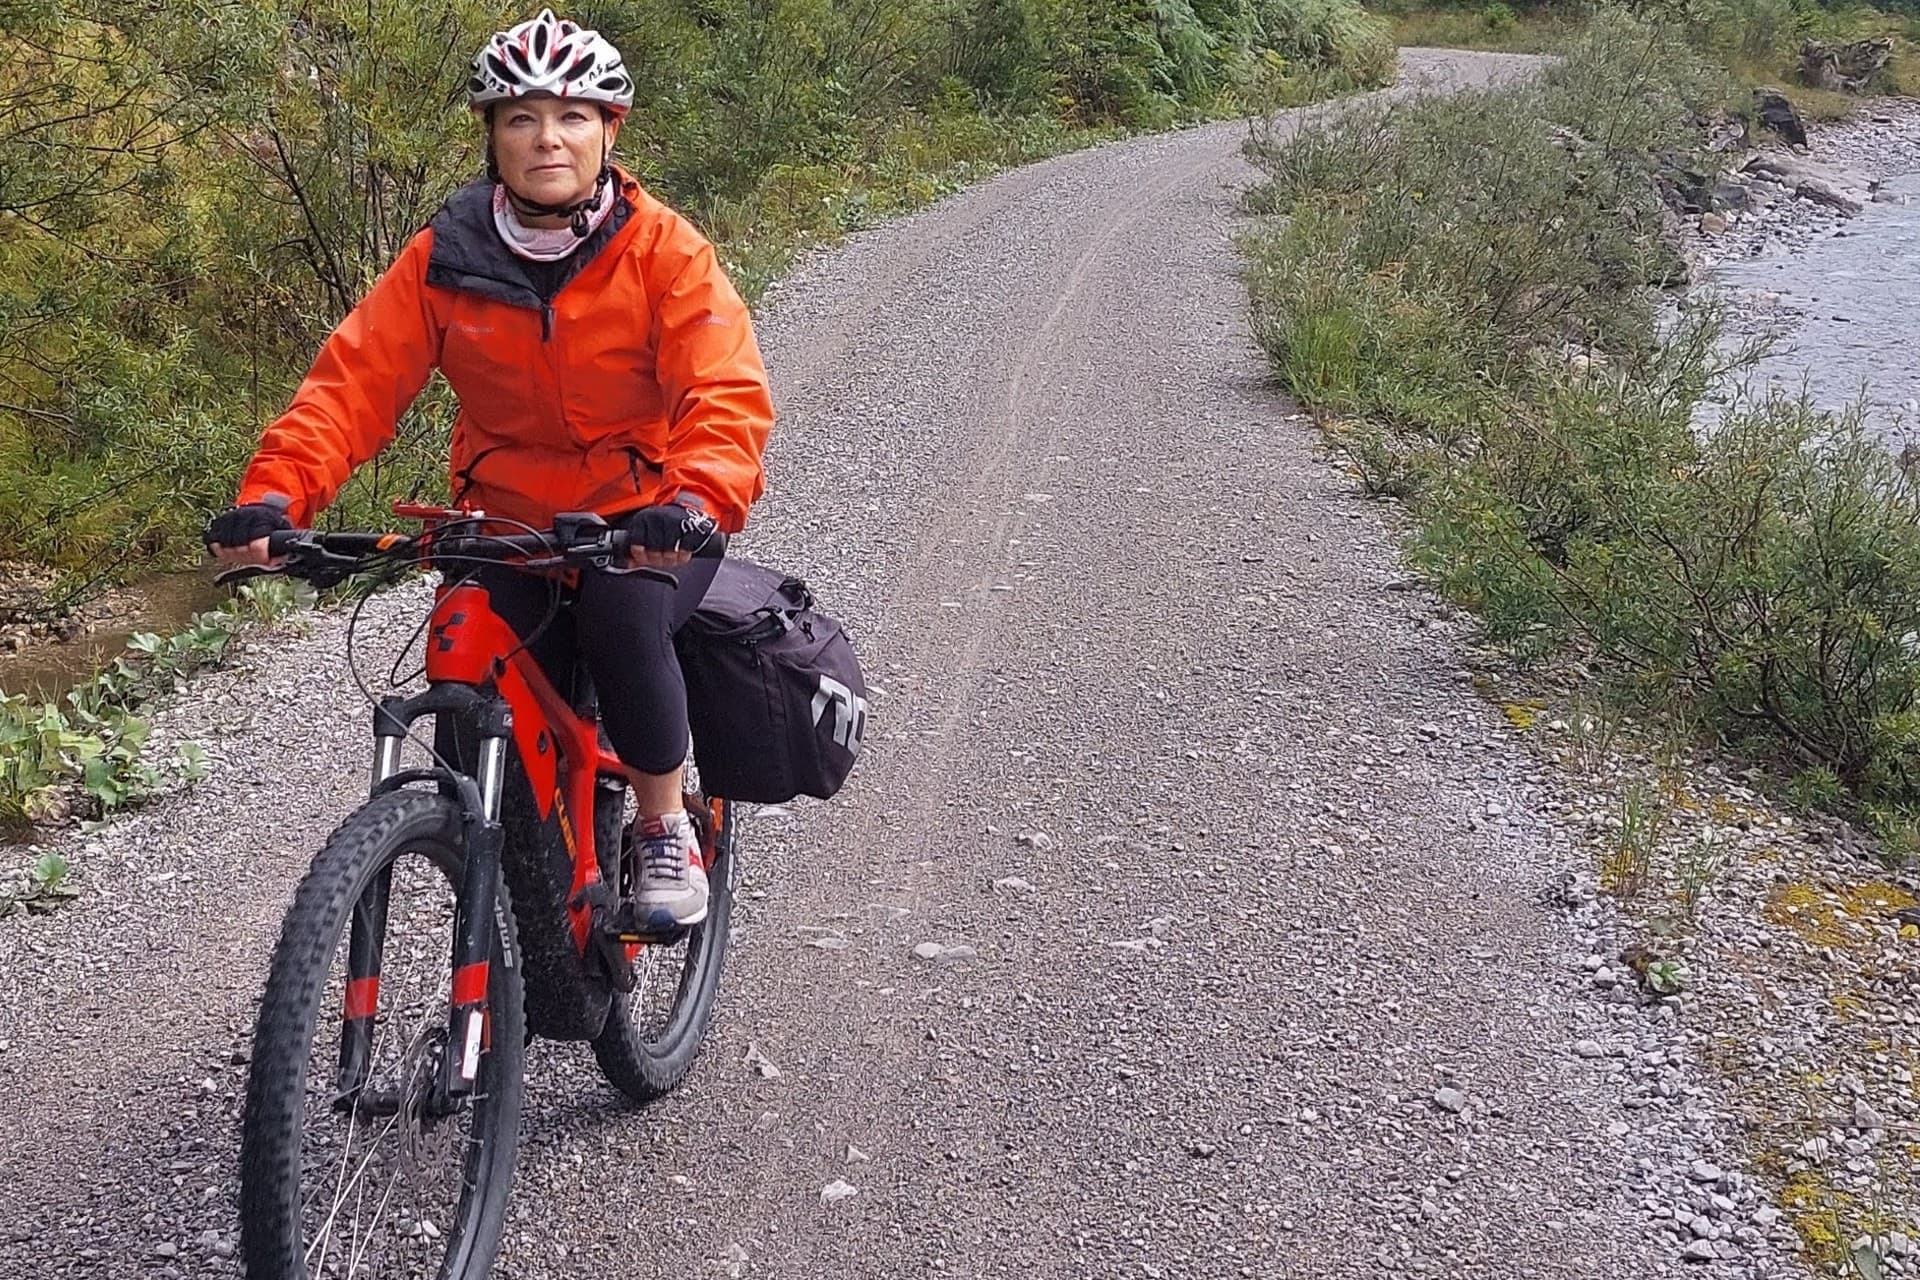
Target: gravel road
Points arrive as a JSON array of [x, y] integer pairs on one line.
[[1261, 982]]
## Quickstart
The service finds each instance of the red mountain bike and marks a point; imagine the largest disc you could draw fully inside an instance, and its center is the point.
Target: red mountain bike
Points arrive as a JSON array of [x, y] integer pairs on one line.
[[471, 904]]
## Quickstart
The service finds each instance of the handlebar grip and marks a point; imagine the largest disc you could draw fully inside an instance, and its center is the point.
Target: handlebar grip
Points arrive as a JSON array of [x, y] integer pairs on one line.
[[282, 541]]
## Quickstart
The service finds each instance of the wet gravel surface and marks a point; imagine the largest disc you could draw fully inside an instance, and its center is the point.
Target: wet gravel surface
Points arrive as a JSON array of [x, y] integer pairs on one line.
[[1257, 952]]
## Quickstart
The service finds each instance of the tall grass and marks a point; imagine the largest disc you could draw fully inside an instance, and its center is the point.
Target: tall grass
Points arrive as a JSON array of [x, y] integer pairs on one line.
[[1496, 26], [1758, 41]]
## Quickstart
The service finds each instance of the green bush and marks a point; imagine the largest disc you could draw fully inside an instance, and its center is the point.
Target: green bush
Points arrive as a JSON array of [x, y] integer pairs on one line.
[[1767, 572], [1466, 289], [192, 193]]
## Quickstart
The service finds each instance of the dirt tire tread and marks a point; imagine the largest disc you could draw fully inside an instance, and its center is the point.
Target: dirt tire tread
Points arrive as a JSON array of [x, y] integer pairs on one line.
[[289, 1011]]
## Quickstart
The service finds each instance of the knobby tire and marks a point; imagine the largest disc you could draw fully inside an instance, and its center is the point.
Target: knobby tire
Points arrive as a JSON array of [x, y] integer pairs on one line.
[[291, 1015], [645, 1062]]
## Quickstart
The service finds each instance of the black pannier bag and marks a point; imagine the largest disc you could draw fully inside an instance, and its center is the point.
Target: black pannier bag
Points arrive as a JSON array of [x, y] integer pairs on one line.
[[774, 692]]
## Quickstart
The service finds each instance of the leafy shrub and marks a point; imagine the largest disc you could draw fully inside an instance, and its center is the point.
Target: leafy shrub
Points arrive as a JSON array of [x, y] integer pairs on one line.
[[191, 194], [84, 755], [1333, 34], [1467, 287]]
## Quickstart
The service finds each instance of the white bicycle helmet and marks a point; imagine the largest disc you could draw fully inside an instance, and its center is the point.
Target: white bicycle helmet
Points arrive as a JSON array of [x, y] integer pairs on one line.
[[549, 55]]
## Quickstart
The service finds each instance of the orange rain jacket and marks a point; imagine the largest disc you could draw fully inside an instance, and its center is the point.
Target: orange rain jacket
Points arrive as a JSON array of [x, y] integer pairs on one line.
[[634, 378]]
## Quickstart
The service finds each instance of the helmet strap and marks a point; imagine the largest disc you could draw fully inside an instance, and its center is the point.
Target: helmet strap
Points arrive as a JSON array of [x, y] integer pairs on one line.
[[577, 213]]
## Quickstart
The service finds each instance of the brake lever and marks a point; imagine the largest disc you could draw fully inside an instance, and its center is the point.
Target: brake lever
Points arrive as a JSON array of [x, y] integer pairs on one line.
[[239, 573], [602, 554], [604, 561]]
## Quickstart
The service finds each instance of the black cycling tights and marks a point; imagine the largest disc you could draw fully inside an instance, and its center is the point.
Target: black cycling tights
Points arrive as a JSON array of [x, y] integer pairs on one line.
[[622, 625]]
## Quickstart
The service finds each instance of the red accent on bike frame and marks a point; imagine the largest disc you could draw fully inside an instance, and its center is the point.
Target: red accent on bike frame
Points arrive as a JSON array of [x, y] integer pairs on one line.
[[469, 984], [363, 997], [536, 702], [464, 645], [465, 642]]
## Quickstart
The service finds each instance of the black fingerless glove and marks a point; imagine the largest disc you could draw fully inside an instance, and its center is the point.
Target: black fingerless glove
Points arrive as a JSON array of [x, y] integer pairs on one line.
[[678, 526], [237, 526]]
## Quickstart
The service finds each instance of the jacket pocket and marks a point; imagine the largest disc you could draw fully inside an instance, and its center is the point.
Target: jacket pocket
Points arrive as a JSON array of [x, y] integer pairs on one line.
[[641, 469]]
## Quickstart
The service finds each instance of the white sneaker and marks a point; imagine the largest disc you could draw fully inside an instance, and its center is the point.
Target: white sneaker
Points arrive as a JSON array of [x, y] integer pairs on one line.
[[673, 884]]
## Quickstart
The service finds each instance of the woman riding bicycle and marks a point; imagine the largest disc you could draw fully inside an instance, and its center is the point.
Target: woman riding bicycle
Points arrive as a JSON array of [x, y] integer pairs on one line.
[[603, 362]]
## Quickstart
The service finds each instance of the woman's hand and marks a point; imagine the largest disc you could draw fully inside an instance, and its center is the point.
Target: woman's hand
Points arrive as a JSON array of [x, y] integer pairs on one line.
[[666, 536], [238, 535], [645, 559]]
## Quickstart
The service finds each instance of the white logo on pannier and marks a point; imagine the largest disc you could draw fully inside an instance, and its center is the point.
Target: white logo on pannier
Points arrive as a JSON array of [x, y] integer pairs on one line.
[[849, 712]]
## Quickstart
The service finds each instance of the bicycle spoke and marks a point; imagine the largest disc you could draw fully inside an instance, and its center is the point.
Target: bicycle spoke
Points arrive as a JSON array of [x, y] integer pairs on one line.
[[656, 983], [353, 1257], [341, 1186], [341, 1196], [388, 1189]]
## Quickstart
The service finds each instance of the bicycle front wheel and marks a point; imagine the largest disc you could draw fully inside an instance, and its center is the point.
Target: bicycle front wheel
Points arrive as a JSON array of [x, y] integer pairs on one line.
[[355, 1159]]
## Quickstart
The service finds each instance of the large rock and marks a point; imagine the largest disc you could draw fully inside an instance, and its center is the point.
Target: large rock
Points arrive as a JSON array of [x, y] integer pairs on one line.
[[1776, 112], [1844, 68], [1736, 196], [1832, 194], [1835, 188]]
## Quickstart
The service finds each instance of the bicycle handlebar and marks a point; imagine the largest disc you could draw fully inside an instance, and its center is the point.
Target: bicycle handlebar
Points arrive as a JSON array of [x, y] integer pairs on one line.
[[572, 543]]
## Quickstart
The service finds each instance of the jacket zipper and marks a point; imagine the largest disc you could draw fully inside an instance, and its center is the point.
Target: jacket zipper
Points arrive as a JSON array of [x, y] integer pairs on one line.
[[547, 326]]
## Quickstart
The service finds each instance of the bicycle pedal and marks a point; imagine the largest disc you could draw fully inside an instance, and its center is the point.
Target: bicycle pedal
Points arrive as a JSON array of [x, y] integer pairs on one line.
[[615, 926], [625, 926]]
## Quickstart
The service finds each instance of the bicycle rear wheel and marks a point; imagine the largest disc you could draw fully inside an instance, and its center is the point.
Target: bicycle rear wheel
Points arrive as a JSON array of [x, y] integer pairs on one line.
[[654, 1032], [354, 1162]]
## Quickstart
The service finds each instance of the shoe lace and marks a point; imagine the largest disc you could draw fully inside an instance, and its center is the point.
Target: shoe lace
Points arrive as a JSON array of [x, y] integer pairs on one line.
[[664, 856]]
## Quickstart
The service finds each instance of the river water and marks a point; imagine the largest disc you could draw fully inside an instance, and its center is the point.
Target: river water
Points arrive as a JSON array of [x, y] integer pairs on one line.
[[1845, 307], [164, 603]]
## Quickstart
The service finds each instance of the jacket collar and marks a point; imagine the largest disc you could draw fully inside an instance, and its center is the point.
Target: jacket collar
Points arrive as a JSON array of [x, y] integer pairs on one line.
[[469, 255]]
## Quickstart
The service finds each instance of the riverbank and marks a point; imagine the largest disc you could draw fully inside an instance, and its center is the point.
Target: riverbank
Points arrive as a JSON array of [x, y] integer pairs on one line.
[[1834, 287], [1775, 954], [1799, 935], [48, 646]]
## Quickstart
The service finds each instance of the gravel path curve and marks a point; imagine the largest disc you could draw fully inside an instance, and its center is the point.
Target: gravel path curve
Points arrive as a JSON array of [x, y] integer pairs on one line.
[[1270, 991]]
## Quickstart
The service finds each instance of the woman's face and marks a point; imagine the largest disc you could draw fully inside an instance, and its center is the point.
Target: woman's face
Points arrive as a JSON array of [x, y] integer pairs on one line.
[[549, 150]]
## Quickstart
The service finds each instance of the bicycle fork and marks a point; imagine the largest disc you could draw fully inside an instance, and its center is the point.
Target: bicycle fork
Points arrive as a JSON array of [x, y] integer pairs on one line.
[[474, 918], [476, 906]]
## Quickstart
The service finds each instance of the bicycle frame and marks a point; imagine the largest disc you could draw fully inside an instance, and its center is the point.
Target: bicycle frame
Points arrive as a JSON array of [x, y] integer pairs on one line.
[[469, 645]]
